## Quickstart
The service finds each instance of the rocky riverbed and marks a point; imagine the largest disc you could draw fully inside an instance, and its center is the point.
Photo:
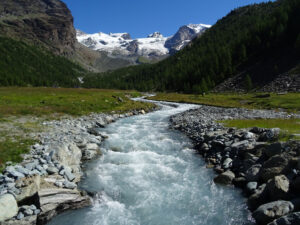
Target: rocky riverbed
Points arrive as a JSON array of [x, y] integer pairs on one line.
[[253, 159], [45, 183]]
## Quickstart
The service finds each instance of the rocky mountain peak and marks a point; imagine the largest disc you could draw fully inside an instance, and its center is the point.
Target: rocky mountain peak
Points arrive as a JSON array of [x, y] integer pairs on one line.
[[184, 35], [154, 46], [155, 35], [126, 36], [47, 22], [79, 32]]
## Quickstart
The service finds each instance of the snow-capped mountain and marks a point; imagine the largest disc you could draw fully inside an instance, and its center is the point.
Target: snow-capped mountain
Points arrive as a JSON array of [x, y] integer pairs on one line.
[[154, 46], [121, 43], [184, 35]]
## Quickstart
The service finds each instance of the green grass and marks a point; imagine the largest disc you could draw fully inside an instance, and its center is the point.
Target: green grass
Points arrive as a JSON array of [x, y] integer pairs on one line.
[[19, 107], [289, 127], [11, 149], [46, 101], [289, 102]]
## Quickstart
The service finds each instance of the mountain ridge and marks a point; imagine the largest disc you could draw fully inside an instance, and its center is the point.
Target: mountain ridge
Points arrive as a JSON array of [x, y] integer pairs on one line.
[[153, 46], [258, 42]]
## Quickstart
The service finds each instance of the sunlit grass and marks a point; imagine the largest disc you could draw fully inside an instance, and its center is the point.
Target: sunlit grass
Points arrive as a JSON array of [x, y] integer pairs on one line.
[[290, 128], [12, 147], [289, 101], [46, 101], [23, 109]]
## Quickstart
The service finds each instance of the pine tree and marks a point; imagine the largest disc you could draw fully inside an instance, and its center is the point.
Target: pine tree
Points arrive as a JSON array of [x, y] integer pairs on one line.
[[248, 82]]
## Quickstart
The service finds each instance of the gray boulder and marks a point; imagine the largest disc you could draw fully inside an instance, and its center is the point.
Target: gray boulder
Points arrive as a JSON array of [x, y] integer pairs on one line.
[[225, 178], [8, 207], [252, 174], [13, 173], [251, 187], [28, 212], [67, 154], [290, 219], [227, 163], [273, 210], [92, 146], [270, 135], [68, 174], [20, 216], [278, 187], [273, 149], [89, 154], [52, 170], [56, 200], [248, 135], [22, 170], [240, 144], [69, 185], [260, 196], [274, 166]]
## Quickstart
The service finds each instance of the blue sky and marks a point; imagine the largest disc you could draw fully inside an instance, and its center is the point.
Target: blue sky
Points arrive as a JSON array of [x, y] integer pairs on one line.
[[142, 17]]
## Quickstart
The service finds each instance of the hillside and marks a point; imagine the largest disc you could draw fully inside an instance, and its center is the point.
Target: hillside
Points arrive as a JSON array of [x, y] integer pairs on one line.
[[44, 22], [38, 45], [256, 42], [23, 64]]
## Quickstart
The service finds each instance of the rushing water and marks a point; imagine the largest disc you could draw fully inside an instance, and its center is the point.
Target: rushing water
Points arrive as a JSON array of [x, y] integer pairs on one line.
[[150, 175]]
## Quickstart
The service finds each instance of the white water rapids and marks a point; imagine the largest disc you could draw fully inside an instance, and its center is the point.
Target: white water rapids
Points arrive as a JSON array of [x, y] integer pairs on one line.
[[150, 175]]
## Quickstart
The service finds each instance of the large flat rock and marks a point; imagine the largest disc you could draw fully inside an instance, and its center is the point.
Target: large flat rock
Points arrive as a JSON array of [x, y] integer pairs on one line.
[[56, 200], [8, 207]]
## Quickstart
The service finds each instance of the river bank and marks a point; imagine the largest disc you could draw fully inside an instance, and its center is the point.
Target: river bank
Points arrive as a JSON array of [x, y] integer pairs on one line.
[[253, 159], [45, 183], [150, 174]]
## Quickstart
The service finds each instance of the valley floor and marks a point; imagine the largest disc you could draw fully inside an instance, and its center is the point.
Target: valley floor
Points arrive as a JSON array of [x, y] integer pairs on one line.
[[284, 101], [27, 114], [23, 110]]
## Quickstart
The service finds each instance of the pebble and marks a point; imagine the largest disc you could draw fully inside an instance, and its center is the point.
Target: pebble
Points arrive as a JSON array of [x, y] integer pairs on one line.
[[69, 185], [20, 216], [52, 170], [28, 212]]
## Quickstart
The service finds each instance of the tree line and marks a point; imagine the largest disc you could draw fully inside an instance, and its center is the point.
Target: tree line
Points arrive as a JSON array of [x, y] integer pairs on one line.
[[22, 64], [247, 36]]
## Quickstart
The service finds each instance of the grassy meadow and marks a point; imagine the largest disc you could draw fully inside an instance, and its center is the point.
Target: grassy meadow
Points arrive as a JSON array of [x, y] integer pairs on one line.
[[64, 101], [289, 101], [22, 111]]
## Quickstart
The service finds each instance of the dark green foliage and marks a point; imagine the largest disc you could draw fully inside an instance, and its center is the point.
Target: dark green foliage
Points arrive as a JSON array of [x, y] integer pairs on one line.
[[22, 65], [248, 82], [249, 40]]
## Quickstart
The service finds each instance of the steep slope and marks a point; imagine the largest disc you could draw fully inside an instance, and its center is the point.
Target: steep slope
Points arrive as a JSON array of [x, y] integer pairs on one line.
[[256, 42], [34, 37], [95, 61], [184, 35], [22, 64], [46, 22]]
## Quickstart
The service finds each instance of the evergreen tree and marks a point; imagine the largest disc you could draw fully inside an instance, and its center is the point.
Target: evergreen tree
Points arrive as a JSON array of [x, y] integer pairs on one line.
[[248, 82]]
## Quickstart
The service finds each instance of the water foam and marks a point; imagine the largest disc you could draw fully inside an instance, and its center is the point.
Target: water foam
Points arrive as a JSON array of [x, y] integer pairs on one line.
[[154, 178]]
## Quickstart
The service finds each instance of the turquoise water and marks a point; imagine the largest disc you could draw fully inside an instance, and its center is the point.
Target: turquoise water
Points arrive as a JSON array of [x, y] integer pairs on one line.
[[150, 175]]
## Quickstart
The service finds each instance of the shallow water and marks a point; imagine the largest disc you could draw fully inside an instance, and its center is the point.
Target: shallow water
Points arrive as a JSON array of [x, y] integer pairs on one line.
[[150, 175]]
